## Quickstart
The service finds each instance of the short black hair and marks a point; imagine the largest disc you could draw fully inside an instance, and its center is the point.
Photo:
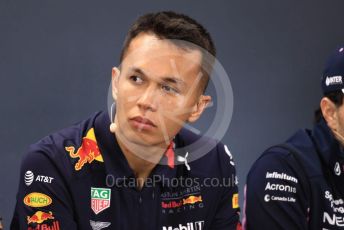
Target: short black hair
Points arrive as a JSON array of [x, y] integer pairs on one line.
[[176, 26], [336, 97]]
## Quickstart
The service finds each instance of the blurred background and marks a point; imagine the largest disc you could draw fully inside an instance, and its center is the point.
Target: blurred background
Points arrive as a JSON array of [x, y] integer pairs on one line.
[[56, 59]]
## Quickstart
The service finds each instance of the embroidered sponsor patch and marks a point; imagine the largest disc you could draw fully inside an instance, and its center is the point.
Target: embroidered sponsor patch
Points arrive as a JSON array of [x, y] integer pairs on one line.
[[235, 200], [87, 152], [100, 199], [39, 217], [37, 200], [98, 225]]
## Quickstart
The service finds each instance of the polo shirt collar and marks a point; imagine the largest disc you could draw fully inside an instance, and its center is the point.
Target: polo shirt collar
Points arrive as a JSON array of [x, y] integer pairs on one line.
[[115, 162]]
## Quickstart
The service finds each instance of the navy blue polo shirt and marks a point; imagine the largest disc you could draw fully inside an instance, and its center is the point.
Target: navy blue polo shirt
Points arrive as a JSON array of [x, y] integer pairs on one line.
[[298, 184], [78, 178]]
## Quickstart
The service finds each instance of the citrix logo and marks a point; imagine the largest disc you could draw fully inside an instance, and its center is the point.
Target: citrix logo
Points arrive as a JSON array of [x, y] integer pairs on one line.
[[198, 225]]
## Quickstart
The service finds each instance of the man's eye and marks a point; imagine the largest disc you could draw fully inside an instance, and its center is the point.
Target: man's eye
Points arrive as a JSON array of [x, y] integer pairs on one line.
[[136, 79], [169, 89]]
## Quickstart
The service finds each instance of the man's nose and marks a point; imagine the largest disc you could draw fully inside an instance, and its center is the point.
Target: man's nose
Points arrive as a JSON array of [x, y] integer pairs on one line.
[[149, 99]]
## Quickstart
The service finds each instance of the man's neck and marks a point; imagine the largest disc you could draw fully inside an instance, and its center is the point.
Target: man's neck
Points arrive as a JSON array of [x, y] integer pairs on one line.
[[142, 161]]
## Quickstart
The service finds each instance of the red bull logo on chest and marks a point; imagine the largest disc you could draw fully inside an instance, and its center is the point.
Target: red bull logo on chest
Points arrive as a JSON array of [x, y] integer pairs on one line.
[[39, 217], [87, 152]]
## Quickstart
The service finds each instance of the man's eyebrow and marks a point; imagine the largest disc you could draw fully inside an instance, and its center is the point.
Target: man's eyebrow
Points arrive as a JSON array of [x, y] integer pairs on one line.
[[173, 80], [138, 70]]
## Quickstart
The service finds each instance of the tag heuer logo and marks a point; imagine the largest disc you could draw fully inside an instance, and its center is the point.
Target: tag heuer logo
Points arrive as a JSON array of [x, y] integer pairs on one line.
[[100, 199]]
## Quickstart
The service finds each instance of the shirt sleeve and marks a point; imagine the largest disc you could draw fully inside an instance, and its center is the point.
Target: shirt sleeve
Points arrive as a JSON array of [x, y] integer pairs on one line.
[[43, 200], [275, 196], [227, 216]]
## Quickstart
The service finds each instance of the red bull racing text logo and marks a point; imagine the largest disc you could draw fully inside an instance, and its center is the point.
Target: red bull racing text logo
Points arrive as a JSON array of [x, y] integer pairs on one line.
[[182, 204], [87, 152], [172, 204]]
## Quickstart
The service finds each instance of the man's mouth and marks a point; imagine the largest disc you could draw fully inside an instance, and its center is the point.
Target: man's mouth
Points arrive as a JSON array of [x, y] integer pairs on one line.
[[142, 123]]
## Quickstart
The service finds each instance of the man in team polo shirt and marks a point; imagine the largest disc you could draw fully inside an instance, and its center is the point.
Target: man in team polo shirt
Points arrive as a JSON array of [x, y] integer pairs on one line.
[[299, 184], [132, 168]]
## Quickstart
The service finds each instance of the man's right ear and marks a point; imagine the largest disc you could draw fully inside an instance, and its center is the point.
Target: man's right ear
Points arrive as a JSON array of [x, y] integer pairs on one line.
[[329, 111], [114, 81]]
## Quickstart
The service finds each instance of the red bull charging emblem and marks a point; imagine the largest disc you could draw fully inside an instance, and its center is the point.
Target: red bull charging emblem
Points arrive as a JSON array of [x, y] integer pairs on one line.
[[87, 152], [192, 200], [39, 219]]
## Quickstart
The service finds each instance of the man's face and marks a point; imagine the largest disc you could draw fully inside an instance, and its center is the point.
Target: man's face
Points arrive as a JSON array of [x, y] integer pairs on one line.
[[157, 90], [334, 116], [340, 119]]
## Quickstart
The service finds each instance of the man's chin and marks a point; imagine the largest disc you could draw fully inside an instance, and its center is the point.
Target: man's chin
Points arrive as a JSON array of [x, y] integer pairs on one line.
[[142, 140]]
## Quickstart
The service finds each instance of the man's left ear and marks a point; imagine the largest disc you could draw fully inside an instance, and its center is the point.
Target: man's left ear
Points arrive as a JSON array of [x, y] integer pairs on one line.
[[199, 107], [114, 81]]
